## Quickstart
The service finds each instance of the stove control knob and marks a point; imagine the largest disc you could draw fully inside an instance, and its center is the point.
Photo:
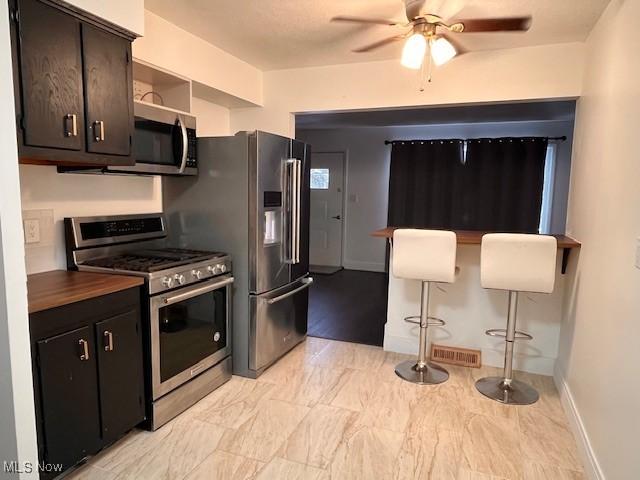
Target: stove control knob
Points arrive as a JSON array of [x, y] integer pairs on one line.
[[196, 274], [223, 268], [211, 270], [167, 282], [179, 278]]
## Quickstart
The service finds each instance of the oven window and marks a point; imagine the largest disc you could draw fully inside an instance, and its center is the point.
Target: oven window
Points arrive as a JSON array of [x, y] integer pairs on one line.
[[190, 331], [156, 142]]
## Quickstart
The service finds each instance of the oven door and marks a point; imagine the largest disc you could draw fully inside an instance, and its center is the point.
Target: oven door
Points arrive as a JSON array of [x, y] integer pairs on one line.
[[190, 332]]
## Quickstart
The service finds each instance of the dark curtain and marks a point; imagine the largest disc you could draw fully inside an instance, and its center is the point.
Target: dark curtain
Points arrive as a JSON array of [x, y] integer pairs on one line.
[[426, 184], [497, 187], [506, 176]]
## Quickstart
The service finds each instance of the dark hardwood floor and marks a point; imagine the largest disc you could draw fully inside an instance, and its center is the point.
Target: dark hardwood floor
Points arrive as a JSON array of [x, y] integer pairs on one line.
[[349, 305]]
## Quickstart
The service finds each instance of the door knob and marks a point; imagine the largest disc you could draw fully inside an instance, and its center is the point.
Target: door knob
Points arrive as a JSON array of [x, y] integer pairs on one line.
[[337, 217]]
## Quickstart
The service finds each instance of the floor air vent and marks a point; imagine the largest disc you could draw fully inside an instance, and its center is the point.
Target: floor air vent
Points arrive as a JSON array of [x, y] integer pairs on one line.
[[456, 356]]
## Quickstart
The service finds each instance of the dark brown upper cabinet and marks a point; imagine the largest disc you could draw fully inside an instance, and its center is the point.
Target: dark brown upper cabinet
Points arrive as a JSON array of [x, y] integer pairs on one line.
[[108, 83], [73, 86]]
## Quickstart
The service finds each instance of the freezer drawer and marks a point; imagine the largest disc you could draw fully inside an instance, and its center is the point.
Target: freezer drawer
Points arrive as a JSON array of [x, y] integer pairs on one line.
[[278, 322]]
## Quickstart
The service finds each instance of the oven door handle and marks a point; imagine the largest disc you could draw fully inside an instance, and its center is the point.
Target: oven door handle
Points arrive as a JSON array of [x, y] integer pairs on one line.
[[185, 144], [196, 291]]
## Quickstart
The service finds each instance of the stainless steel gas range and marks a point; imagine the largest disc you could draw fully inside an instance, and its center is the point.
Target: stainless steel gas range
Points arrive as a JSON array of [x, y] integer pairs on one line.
[[187, 304]]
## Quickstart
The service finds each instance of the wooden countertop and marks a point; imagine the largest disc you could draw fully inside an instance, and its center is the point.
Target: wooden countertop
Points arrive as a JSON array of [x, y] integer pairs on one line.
[[60, 287], [472, 237]]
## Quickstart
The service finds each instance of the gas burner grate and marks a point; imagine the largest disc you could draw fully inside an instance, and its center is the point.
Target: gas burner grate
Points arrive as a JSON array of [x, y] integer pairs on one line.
[[151, 260]]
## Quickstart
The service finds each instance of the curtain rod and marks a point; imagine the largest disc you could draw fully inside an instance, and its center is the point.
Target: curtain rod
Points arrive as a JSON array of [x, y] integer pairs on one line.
[[551, 139]]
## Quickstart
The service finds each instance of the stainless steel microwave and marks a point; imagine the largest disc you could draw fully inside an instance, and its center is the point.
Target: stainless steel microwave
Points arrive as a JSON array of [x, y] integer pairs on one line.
[[164, 142]]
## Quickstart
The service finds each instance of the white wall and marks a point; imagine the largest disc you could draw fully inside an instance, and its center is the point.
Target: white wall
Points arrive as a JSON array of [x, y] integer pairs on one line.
[[79, 195], [177, 50], [541, 72], [367, 174], [17, 416], [212, 120], [128, 14], [469, 310], [598, 369]]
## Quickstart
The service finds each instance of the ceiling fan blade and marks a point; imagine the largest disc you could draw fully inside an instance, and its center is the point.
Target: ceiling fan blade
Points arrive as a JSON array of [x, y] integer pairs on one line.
[[460, 50], [515, 24], [378, 44], [372, 21], [413, 8]]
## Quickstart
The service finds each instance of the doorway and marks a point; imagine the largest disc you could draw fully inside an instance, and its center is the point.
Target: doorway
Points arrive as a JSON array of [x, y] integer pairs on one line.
[[327, 212]]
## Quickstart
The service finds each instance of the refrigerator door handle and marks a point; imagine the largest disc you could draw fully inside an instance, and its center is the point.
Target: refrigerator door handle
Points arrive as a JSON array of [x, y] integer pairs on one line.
[[306, 283], [290, 244], [298, 191]]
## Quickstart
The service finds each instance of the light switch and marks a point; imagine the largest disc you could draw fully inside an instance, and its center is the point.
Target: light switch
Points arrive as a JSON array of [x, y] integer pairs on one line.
[[31, 230], [638, 253]]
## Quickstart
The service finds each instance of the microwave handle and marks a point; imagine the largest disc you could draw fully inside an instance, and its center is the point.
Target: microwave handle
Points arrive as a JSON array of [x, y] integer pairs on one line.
[[185, 144]]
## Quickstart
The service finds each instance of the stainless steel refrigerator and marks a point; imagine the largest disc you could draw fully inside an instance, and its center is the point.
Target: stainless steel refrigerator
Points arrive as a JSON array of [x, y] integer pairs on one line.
[[251, 199]]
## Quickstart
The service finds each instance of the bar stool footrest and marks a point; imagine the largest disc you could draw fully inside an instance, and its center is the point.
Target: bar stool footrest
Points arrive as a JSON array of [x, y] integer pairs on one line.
[[432, 321], [502, 333]]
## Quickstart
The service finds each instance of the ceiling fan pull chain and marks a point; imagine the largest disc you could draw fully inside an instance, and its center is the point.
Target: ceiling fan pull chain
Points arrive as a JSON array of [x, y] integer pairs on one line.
[[425, 74]]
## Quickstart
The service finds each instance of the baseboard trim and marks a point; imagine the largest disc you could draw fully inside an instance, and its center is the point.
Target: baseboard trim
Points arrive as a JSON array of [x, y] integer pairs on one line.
[[364, 266], [493, 358], [589, 460]]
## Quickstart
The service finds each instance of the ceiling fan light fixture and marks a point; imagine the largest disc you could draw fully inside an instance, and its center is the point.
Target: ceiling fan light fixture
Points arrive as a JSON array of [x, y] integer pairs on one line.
[[441, 50], [413, 52]]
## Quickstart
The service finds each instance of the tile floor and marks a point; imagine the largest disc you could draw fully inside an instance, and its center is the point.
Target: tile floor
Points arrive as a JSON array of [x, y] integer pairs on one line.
[[335, 410]]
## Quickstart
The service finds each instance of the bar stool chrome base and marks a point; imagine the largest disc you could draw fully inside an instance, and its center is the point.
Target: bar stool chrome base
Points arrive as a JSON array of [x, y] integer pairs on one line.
[[431, 374], [514, 393]]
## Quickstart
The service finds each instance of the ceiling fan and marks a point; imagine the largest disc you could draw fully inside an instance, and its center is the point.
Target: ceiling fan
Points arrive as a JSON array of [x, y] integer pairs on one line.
[[430, 30]]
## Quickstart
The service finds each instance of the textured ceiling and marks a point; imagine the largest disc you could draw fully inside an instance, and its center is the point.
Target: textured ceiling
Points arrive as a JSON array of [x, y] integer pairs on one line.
[[502, 112], [277, 34]]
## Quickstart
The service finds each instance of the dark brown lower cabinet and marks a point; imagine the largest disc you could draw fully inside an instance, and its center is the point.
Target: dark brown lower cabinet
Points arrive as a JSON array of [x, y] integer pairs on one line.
[[88, 376], [69, 390], [120, 369]]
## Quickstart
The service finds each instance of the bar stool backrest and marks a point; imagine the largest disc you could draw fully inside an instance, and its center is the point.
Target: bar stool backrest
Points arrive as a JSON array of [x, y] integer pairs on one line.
[[518, 262], [426, 255]]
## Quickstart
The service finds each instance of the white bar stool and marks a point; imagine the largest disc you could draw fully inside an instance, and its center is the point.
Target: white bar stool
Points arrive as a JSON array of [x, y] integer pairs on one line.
[[516, 263], [428, 256]]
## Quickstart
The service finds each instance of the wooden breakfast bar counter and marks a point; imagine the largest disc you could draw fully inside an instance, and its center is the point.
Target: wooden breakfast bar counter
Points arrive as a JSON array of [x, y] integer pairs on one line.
[[473, 237], [469, 310]]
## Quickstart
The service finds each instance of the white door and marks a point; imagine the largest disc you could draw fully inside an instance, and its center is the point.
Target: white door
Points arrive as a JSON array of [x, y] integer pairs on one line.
[[327, 178]]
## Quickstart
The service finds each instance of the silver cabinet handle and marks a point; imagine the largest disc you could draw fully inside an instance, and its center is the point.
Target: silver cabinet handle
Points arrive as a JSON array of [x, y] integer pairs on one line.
[[185, 144], [108, 341], [98, 135], [84, 345], [74, 125], [307, 283]]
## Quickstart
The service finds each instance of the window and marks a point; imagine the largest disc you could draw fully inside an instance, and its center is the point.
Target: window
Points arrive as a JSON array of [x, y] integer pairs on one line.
[[319, 178], [547, 189]]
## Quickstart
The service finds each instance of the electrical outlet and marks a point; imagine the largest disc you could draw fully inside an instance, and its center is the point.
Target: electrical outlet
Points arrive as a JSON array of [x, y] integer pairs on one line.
[[39, 230], [32, 231]]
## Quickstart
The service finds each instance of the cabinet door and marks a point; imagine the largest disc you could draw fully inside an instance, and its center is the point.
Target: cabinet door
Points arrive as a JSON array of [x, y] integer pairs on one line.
[[120, 373], [51, 77], [69, 396], [108, 91]]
